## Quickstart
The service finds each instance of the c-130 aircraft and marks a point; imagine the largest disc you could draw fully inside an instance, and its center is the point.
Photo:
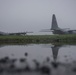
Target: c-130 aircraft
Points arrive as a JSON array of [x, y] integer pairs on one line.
[[18, 33], [57, 30]]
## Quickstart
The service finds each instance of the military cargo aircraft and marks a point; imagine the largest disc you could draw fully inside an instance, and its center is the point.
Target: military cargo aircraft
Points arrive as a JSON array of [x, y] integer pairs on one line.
[[57, 30], [18, 33]]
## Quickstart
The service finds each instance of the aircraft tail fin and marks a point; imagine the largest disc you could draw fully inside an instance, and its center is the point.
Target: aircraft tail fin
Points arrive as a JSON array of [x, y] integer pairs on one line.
[[54, 23]]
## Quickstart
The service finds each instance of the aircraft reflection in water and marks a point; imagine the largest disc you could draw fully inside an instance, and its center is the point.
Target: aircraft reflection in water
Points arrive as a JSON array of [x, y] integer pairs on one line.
[[57, 30], [45, 67], [18, 33], [55, 50]]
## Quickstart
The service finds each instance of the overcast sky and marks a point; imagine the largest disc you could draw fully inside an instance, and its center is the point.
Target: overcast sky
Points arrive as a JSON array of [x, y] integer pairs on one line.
[[34, 15]]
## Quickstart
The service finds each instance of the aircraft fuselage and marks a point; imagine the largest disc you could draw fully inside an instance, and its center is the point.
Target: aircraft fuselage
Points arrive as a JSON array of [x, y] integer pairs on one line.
[[64, 31]]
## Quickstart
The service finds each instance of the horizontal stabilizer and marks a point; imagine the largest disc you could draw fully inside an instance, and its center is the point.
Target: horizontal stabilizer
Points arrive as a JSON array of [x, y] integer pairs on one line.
[[66, 29], [29, 32], [46, 30]]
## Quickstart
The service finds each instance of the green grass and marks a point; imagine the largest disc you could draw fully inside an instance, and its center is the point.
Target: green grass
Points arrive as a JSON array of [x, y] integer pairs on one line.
[[38, 39]]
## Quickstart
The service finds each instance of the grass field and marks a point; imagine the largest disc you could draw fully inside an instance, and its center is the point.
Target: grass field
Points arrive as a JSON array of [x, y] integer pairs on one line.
[[38, 39]]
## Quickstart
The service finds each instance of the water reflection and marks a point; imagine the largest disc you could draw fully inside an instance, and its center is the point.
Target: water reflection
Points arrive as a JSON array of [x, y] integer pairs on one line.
[[30, 60], [55, 50]]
